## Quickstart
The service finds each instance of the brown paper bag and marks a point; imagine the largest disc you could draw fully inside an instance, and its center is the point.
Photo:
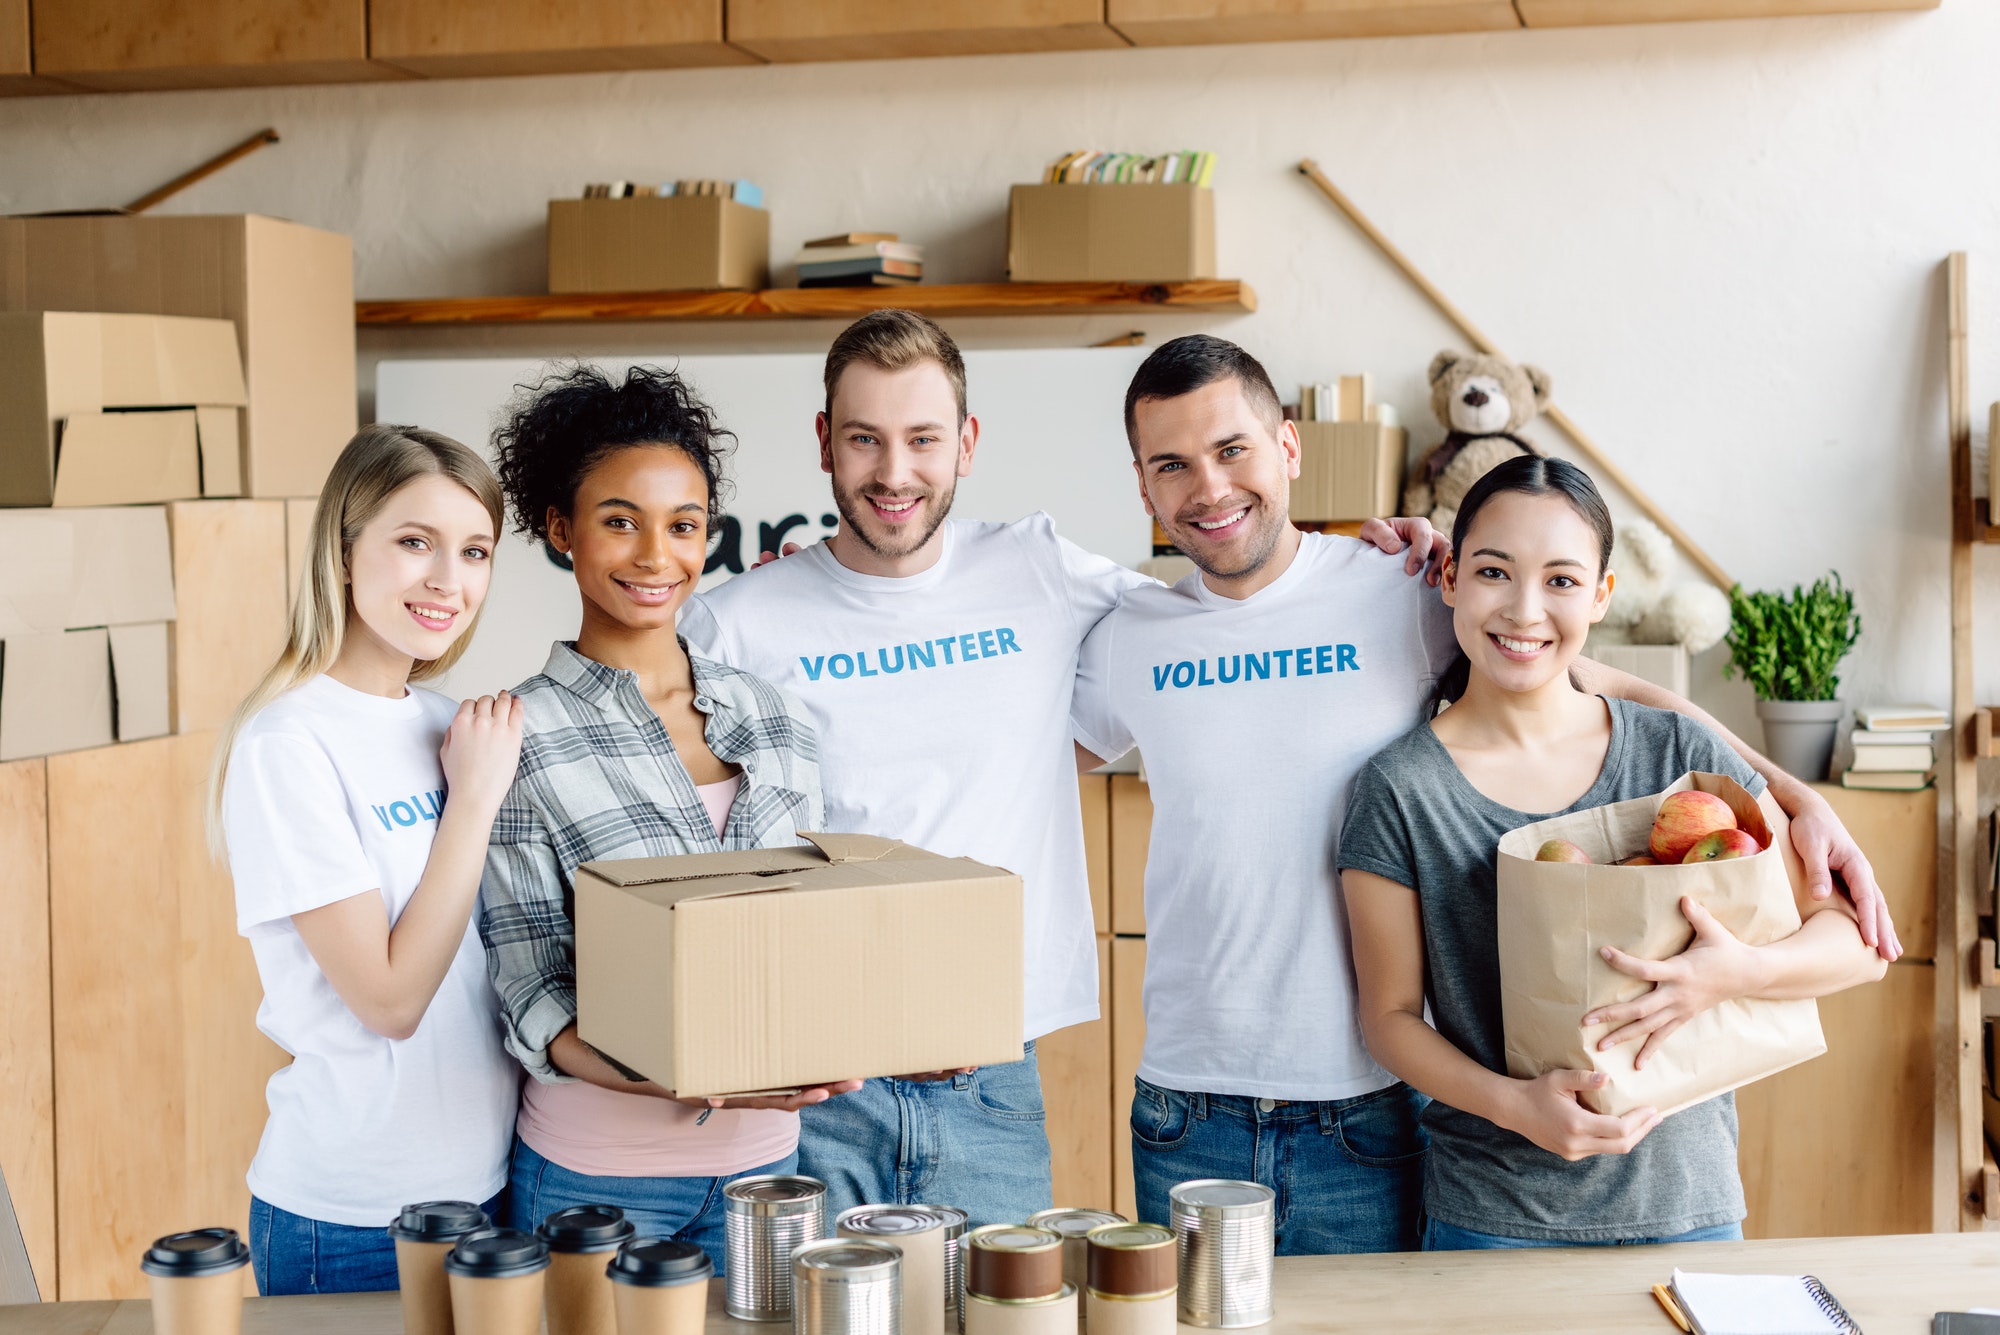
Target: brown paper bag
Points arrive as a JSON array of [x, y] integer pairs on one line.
[[1554, 917]]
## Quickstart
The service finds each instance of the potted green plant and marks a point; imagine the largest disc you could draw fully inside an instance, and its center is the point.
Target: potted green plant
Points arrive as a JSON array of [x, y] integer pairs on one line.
[[1787, 646]]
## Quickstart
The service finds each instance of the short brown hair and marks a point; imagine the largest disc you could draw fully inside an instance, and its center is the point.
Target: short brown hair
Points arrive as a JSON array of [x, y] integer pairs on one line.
[[894, 340], [1195, 361]]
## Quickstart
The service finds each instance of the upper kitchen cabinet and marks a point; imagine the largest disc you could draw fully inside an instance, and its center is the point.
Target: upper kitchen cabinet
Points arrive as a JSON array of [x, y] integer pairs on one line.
[[458, 38], [798, 30], [127, 44]]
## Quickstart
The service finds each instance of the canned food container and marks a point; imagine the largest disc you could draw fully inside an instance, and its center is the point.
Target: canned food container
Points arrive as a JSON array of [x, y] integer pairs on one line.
[[955, 1221], [1072, 1225], [765, 1219], [1052, 1315], [1223, 1233], [1132, 1284], [847, 1286], [1011, 1262], [917, 1231]]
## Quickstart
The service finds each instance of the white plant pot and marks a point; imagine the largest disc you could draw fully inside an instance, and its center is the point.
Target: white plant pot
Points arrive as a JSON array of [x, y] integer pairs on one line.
[[1798, 734]]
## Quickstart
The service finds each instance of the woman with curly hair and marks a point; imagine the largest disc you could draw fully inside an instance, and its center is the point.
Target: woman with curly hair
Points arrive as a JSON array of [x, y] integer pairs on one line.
[[632, 748]]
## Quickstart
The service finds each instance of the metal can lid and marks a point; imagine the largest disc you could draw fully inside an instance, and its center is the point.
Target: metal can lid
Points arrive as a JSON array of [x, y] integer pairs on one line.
[[774, 1193], [954, 1218], [438, 1221], [1220, 1198], [1131, 1237], [1013, 1238], [201, 1251], [888, 1219], [1073, 1223], [839, 1259], [496, 1254], [658, 1263], [586, 1228]]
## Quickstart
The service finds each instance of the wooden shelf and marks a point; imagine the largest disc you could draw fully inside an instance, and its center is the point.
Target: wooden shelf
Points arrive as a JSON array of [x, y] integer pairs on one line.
[[1983, 528], [1215, 296]]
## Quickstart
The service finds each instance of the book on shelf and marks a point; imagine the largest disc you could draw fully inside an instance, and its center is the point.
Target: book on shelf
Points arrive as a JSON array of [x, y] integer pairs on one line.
[[1887, 717], [1887, 780], [856, 268], [851, 239], [871, 279], [1893, 736], [908, 251], [1876, 758], [1088, 166]]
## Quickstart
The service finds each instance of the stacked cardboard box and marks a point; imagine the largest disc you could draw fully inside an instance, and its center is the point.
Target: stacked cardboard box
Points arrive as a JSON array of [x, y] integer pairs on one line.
[[1351, 454], [658, 243]]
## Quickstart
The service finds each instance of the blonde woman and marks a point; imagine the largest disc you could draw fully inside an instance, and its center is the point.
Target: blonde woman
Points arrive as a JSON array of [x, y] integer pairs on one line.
[[354, 810]]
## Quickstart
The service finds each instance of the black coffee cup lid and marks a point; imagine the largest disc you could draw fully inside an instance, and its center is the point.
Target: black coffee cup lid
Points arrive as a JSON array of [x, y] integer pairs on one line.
[[586, 1228], [438, 1221], [497, 1253], [659, 1262], [204, 1251]]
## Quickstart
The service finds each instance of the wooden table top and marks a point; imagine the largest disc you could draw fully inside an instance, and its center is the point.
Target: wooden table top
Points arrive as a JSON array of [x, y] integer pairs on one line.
[[1891, 1286]]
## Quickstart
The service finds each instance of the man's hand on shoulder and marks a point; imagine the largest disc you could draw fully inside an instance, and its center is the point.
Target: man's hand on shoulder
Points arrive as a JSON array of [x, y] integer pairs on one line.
[[765, 558], [1427, 548]]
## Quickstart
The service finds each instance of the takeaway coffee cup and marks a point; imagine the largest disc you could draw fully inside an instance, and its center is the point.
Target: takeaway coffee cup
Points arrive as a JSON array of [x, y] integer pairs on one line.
[[196, 1281], [425, 1233], [659, 1287], [497, 1278], [579, 1295]]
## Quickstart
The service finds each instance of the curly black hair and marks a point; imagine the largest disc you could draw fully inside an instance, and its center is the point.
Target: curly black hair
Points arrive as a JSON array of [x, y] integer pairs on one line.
[[555, 431]]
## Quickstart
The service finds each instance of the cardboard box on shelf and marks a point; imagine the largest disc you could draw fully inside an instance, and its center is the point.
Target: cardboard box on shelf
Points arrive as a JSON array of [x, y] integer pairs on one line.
[[657, 243], [229, 583], [1110, 233], [68, 384], [67, 569], [139, 696], [66, 690], [1348, 470], [289, 289], [727, 973]]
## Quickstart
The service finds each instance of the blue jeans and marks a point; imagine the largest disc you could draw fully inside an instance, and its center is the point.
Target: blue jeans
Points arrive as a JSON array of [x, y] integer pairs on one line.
[[293, 1254], [1349, 1173], [688, 1209], [976, 1141], [1442, 1237]]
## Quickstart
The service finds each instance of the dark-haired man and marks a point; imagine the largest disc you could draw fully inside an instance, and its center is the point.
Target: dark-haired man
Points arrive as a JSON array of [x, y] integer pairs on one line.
[[1256, 688]]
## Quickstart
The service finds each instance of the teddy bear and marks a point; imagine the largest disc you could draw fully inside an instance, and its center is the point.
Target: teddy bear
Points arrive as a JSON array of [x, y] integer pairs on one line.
[[1648, 607], [1481, 401]]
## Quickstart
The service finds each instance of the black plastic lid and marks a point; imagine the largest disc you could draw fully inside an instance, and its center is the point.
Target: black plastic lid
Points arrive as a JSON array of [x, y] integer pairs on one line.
[[586, 1228], [496, 1254], [655, 1263], [204, 1251], [438, 1221]]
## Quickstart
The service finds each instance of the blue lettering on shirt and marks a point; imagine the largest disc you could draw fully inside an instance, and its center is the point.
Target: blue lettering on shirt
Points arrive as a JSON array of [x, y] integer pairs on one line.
[[411, 811], [1311, 660], [949, 650]]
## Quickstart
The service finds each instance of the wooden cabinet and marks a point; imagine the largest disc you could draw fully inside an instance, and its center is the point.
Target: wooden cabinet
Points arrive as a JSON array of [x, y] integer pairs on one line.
[[799, 30], [123, 44], [1571, 13], [1131, 831], [1202, 22], [231, 602], [27, 1072], [1899, 833], [1128, 1039], [447, 38], [159, 1067], [1076, 1089], [1096, 793]]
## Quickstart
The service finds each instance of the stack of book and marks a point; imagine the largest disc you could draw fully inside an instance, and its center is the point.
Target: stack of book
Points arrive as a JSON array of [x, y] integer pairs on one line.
[[1087, 166], [1895, 747], [860, 259], [743, 192], [1348, 398]]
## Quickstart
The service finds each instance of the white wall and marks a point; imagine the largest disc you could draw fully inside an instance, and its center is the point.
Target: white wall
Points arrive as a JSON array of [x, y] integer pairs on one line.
[[1723, 239]]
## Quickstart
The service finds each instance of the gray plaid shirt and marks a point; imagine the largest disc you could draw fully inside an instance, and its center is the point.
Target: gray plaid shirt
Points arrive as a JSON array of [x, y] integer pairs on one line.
[[599, 779]]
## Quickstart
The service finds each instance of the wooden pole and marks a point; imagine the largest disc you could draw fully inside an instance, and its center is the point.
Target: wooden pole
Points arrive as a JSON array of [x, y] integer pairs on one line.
[[203, 172], [1598, 458]]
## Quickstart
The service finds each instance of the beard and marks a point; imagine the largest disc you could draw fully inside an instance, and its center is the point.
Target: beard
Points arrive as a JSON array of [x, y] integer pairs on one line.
[[1258, 546], [853, 514]]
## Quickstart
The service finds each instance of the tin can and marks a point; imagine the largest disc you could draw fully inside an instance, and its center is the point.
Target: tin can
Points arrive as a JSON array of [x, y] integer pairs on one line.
[[1132, 1284], [1072, 1225], [847, 1286], [1011, 1262], [765, 1219], [917, 1231], [955, 1221], [1224, 1238], [1051, 1315]]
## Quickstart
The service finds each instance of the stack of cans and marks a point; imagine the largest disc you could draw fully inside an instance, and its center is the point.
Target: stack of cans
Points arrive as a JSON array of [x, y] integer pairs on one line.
[[1225, 1235], [1131, 1283], [917, 1231], [1072, 1226], [766, 1219], [1014, 1282]]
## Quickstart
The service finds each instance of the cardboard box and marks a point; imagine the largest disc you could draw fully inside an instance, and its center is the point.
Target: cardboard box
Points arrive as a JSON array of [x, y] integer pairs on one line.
[[728, 973], [68, 569], [1348, 470], [67, 690], [1110, 233], [671, 243], [139, 695], [61, 370], [229, 586], [289, 290]]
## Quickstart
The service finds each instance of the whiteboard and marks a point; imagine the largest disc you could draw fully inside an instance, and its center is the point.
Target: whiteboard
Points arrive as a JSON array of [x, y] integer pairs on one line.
[[1052, 437]]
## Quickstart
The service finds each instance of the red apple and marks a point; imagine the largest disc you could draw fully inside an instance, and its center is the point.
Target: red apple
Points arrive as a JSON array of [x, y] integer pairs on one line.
[[1560, 850], [1640, 861], [1723, 844], [1683, 819]]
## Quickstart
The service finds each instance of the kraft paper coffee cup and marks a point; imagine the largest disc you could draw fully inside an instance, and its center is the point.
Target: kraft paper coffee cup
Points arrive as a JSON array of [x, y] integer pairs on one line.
[[197, 1282], [659, 1287], [497, 1280], [424, 1234], [579, 1294]]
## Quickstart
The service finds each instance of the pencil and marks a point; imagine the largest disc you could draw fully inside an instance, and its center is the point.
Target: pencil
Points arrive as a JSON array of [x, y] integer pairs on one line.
[[1666, 1301]]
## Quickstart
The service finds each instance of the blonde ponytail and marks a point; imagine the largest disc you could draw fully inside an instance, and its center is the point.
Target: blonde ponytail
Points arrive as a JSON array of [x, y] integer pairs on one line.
[[373, 466]]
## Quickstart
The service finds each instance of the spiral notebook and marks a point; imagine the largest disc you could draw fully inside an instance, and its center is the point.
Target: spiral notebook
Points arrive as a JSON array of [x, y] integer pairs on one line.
[[1760, 1305]]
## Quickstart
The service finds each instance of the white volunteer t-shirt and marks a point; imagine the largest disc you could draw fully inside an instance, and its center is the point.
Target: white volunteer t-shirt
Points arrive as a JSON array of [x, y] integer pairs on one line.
[[1254, 717], [942, 704], [333, 793]]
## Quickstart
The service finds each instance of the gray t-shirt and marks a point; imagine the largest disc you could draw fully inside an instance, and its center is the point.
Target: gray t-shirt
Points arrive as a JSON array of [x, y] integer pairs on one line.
[[1414, 819]]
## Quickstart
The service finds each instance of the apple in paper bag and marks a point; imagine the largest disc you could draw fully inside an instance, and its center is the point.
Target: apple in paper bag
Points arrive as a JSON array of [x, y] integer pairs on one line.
[[1683, 820]]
